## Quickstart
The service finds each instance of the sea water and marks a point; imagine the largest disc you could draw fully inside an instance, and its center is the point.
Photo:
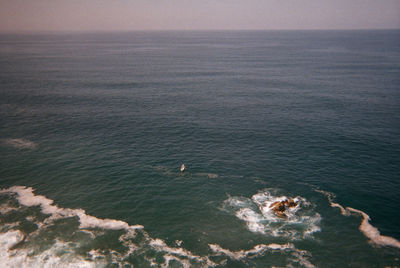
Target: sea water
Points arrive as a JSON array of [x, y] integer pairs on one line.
[[95, 126]]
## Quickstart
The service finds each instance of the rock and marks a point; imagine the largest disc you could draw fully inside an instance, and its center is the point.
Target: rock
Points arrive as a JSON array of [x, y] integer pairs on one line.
[[291, 203], [279, 207]]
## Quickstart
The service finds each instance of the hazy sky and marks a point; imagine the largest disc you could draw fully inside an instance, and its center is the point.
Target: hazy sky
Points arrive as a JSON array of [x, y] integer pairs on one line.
[[86, 15]]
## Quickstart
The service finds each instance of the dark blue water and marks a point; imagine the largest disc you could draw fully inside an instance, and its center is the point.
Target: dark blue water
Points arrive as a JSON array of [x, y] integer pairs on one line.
[[101, 123]]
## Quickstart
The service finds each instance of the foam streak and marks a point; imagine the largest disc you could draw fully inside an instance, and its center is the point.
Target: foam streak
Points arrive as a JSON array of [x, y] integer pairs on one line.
[[366, 228], [373, 233], [257, 250], [330, 197], [26, 197], [160, 245], [299, 256]]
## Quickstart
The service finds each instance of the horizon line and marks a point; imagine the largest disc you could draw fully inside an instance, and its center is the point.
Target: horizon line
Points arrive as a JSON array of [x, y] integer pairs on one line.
[[187, 30]]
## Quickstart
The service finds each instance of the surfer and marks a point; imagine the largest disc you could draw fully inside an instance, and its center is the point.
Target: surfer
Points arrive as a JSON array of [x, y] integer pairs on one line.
[[182, 167]]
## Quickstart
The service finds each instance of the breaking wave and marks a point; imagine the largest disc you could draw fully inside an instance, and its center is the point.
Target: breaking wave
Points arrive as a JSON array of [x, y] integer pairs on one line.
[[35, 232], [299, 222], [366, 228], [69, 237], [26, 197]]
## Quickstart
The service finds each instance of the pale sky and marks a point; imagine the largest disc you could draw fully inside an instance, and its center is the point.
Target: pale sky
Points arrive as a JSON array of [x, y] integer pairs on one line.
[[126, 15]]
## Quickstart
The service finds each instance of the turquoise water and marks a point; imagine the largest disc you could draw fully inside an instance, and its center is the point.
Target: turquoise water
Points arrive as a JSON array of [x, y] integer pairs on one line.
[[95, 126]]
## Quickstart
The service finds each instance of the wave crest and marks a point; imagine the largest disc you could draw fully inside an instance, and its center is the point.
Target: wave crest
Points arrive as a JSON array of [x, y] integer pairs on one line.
[[52, 240], [26, 197]]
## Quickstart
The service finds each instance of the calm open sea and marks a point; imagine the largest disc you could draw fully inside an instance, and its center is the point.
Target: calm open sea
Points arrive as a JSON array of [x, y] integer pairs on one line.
[[94, 128]]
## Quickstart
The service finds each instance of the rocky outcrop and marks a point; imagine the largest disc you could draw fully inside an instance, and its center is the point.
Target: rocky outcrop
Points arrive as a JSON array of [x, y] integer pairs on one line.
[[280, 207]]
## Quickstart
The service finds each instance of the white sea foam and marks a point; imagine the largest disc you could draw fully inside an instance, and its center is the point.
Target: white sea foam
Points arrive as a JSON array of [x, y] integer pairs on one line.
[[219, 250], [297, 256], [301, 257], [366, 228], [20, 143], [239, 202], [22, 250], [312, 224], [168, 258], [161, 246], [255, 221], [5, 227], [51, 257], [330, 197], [126, 240], [265, 199], [55, 253], [6, 208], [372, 232], [299, 222], [95, 254], [256, 251], [26, 197], [90, 225], [11, 238]]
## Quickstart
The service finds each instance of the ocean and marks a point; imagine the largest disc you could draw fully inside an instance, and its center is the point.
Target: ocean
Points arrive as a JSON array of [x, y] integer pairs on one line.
[[94, 128]]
